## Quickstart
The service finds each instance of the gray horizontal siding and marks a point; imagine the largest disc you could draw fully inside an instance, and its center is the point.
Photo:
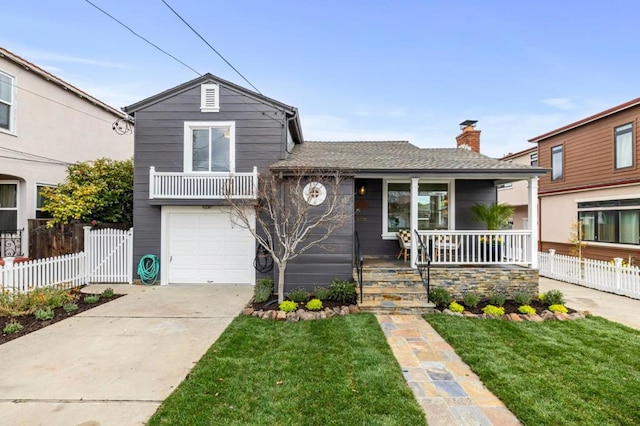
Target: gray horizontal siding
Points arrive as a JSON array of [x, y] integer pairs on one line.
[[468, 192]]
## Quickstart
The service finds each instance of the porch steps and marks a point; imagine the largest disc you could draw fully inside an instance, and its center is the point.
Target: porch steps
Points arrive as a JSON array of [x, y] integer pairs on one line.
[[393, 291]]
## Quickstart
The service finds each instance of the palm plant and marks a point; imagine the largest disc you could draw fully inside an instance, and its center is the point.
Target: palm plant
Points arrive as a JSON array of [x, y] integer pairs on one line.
[[494, 216]]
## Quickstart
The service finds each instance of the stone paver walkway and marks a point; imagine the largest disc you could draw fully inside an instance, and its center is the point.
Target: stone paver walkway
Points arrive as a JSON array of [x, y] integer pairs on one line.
[[446, 388]]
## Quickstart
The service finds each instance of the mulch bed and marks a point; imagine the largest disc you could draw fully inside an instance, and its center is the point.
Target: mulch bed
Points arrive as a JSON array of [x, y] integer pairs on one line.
[[272, 304], [511, 307], [31, 324]]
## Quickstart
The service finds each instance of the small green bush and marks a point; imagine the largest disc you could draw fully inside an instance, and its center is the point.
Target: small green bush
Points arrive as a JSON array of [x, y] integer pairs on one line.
[[497, 299], [94, 298], [343, 291], [322, 293], [558, 308], [107, 293], [262, 290], [314, 305], [44, 314], [470, 300], [70, 307], [12, 327], [493, 310], [522, 298], [299, 295], [456, 307], [440, 296], [526, 309], [553, 297], [288, 306]]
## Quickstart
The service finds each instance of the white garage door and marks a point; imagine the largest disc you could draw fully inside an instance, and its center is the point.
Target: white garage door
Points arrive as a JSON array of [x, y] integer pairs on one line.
[[205, 246]]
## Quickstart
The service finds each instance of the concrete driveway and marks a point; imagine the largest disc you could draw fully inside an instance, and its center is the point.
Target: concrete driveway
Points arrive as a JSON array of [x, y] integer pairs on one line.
[[114, 364]]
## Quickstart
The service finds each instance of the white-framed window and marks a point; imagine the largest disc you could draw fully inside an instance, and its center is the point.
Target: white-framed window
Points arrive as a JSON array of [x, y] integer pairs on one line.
[[505, 185], [624, 146], [210, 97], [433, 206], [209, 146], [533, 159], [41, 200], [7, 102], [8, 205], [557, 162]]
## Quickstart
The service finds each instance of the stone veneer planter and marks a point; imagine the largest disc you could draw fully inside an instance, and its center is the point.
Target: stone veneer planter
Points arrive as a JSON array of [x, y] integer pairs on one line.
[[484, 280]]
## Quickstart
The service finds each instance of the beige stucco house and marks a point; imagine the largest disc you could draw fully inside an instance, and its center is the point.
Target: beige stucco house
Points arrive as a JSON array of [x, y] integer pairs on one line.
[[517, 193], [45, 125]]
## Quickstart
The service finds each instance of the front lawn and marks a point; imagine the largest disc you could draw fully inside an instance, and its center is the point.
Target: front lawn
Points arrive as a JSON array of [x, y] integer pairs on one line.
[[581, 372], [338, 371]]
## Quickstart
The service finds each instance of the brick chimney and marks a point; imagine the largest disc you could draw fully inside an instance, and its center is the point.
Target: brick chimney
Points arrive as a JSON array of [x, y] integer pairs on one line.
[[470, 137]]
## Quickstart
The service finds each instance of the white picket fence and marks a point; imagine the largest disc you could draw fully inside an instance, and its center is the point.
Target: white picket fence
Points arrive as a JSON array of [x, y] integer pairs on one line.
[[108, 258], [597, 274]]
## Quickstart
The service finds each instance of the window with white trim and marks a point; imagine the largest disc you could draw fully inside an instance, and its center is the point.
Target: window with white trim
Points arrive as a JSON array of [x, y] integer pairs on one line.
[[533, 159], [209, 146], [8, 206], [210, 98], [624, 146], [433, 206], [7, 102], [40, 202]]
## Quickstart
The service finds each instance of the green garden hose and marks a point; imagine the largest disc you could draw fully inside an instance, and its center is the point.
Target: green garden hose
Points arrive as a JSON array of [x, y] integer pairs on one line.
[[148, 269]]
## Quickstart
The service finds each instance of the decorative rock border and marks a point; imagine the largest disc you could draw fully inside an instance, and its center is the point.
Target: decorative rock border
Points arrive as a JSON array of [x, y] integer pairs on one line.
[[301, 314], [546, 315]]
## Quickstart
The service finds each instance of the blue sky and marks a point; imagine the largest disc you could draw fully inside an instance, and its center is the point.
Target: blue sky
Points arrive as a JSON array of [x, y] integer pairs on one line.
[[357, 70]]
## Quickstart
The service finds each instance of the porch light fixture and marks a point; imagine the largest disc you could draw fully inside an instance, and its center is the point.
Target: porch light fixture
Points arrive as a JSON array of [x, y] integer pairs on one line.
[[362, 190]]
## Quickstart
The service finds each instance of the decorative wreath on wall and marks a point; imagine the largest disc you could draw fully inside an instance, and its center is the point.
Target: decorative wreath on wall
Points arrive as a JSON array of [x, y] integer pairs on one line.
[[314, 193]]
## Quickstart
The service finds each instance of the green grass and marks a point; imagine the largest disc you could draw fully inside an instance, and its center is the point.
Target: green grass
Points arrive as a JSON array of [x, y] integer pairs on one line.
[[338, 371], [581, 372]]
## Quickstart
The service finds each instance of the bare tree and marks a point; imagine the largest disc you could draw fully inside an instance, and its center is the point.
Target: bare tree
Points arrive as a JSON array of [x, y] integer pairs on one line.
[[293, 213]]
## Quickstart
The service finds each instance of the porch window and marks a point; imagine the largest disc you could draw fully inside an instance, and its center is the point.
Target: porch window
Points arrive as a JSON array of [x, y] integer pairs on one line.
[[433, 206], [209, 147], [8, 206]]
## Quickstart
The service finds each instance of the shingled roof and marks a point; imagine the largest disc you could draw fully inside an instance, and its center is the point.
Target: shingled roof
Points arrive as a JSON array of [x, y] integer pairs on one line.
[[393, 156]]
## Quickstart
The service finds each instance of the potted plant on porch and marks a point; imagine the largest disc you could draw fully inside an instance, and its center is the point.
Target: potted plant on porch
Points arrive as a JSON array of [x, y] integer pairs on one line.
[[494, 216]]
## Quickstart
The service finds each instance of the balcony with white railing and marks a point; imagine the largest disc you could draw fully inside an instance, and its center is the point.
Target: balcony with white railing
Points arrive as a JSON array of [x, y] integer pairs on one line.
[[203, 186], [501, 247]]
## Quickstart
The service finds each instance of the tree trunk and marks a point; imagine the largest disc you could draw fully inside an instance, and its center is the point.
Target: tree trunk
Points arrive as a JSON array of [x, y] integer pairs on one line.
[[281, 269]]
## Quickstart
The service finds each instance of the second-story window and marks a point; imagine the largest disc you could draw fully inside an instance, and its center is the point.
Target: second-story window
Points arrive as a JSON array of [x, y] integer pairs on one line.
[[557, 172], [209, 146], [534, 159], [6, 102], [624, 146]]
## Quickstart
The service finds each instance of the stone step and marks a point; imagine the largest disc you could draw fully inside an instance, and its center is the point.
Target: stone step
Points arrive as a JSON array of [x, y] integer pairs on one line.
[[394, 293], [397, 307], [400, 284]]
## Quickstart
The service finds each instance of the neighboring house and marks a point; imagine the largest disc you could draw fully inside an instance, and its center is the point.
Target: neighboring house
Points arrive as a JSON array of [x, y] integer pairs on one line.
[[515, 193], [45, 125], [595, 178], [207, 130]]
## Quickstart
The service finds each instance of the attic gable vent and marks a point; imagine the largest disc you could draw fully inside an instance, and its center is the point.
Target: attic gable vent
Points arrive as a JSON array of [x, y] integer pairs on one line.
[[209, 98]]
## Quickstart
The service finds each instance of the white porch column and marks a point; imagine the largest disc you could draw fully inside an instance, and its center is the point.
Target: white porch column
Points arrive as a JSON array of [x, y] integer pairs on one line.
[[414, 220], [533, 220]]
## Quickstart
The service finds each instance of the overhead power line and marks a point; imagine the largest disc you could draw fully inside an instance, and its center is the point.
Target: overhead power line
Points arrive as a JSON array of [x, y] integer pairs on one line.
[[141, 37], [210, 46]]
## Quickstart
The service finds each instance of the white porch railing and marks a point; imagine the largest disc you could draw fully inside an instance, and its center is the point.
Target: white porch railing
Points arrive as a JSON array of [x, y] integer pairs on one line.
[[211, 186], [478, 247]]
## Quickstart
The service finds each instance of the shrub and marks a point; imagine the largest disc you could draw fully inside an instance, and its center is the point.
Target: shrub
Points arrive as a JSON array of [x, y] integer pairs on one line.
[[12, 327], [288, 306], [522, 298], [493, 310], [471, 300], [70, 307], [456, 307], [558, 308], [299, 295], [322, 293], [44, 314], [553, 297], [526, 309], [440, 296], [497, 299], [343, 291], [94, 298], [262, 290], [107, 293], [314, 305]]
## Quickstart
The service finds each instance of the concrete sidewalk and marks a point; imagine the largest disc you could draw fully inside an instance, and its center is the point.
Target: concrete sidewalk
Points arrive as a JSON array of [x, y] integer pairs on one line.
[[610, 306], [114, 364]]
